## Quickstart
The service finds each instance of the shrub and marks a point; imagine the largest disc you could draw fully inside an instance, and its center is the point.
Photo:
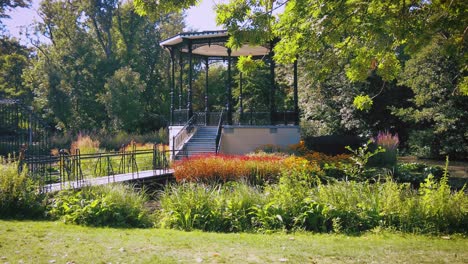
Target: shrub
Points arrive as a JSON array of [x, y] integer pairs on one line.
[[269, 148], [322, 159], [435, 209], [389, 142], [109, 205], [298, 201], [333, 144], [416, 173], [225, 208], [19, 194]]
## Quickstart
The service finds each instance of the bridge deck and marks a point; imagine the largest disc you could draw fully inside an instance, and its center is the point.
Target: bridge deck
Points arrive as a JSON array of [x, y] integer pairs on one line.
[[77, 184]]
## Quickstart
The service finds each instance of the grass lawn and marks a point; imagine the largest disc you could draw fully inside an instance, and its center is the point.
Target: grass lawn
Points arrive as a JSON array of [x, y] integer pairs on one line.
[[55, 242]]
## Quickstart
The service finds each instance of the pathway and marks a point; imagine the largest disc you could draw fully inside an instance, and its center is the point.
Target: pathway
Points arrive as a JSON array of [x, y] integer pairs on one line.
[[149, 174]]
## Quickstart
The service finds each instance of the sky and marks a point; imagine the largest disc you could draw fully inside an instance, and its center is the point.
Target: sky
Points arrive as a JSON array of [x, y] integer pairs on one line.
[[201, 17]]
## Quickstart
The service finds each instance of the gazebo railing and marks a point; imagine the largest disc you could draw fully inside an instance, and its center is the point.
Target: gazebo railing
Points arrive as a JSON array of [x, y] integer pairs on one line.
[[285, 118], [180, 117], [248, 118]]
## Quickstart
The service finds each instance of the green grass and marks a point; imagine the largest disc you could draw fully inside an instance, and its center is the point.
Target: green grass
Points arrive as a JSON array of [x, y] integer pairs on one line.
[[49, 242]]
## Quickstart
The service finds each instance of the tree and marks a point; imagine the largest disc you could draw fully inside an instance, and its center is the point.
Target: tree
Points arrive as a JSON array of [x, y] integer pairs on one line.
[[121, 99], [365, 37], [89, 41], [156, 9], [438, 113], [363, 52], [14, 58]]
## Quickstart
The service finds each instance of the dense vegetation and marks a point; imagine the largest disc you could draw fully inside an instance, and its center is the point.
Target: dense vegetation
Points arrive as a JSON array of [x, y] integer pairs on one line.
[[260, 193], [370, 65], [363, 66]]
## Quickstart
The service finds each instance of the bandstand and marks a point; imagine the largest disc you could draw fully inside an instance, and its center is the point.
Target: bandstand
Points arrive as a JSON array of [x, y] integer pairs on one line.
[[230, 131]]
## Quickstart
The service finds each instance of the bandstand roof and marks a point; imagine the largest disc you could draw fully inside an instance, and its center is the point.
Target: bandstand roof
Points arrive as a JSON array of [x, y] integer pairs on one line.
[[210, 44]]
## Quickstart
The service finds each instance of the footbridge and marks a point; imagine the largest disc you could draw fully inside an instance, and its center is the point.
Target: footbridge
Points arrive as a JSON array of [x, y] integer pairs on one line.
[[75, 170]]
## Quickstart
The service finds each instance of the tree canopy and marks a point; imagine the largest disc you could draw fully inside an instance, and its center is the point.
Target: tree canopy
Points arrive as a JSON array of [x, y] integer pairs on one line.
[[96, 49]]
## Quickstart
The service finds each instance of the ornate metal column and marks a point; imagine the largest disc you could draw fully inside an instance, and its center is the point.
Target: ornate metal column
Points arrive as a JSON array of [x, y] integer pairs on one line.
[[241, 106], [189, 95], [207, 108], [171, 121], [296, 103], [273, 84], [181, 79], [229, 90]]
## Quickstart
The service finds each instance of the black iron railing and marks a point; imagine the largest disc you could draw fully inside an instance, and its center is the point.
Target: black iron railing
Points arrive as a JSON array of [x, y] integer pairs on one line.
[[75, 170], [180, 117], [219, 132], [21, 129], [184, 134], [248, 118]]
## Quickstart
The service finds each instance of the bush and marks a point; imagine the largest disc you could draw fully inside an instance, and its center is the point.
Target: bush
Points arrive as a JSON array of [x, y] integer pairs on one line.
[[416, 173], [300, 202], [218, 208], [333, 144], [322, 159], [390, 143], [109, 205], [19, 194]]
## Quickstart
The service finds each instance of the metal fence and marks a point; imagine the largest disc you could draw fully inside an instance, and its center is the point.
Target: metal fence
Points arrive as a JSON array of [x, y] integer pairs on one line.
[[246, 118], [20, 128], [75, 170]]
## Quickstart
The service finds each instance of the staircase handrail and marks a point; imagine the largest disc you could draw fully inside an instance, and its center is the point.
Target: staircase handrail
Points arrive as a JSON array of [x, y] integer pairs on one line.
[[218, 132], [184, 134]]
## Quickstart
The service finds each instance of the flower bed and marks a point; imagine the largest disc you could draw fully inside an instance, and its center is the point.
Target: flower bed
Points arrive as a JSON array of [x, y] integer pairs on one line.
[[214, 168], [256, 169]]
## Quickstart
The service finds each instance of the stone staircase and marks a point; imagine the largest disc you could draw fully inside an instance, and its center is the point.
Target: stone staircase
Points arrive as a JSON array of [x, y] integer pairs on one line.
[[202, 142]]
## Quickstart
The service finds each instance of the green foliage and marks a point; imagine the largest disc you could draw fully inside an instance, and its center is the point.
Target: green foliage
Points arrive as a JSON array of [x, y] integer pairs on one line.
[[247, 21], [247, 65], [108, 205], [217, 75], [19, 194], [363, 102], [389, 142], [358, 48], [155, 9], [78, 77], [437, 117], [463, 86], [121, 99], [360, 158], [297, 203], [417, 172], [255, 88], [225, 208], [14, 58]]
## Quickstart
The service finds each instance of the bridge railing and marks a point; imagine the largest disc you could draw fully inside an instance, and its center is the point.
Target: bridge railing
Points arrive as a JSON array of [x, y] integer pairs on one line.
[[72, 170]]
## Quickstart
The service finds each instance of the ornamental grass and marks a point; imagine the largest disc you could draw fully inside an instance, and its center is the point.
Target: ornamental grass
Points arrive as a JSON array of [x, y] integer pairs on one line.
[[224, 168], [255, 169], [300, 149]]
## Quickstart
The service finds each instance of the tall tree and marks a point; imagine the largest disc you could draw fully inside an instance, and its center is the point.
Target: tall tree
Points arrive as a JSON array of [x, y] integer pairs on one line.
[[89, 41], [14, 58], [363, 52]]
